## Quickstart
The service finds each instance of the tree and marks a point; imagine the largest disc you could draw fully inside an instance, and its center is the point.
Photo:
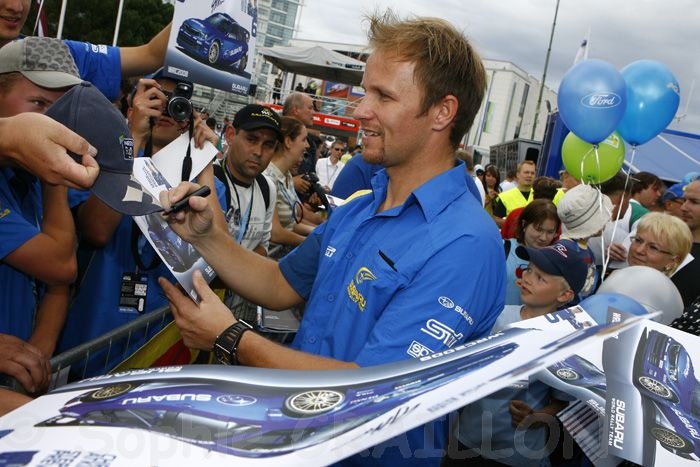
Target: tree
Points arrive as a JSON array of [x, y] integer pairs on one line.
[[91, 21]]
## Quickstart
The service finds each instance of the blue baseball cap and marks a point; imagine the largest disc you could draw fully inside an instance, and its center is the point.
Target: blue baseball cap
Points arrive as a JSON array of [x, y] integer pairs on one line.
[[674, 192], [564, 258]]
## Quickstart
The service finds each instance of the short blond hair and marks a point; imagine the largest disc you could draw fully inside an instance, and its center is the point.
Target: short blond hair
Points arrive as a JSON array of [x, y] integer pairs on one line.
[[670, 229], [445, 62]]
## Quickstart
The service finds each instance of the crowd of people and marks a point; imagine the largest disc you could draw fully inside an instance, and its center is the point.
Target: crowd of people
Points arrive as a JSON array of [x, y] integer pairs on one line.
[[420, 223]]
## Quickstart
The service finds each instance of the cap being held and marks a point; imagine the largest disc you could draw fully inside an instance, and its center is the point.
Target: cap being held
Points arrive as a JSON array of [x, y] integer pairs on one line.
[[45, 61], [563, 259], [86, 111], [255, 116]]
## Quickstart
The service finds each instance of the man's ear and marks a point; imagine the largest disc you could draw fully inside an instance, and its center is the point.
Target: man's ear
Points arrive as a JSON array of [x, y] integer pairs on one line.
[[445, 112]]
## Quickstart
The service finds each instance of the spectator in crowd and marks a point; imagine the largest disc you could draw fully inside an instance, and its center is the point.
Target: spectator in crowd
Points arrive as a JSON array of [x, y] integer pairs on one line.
[[38, 235], [509, 427], [299, 87], [537, 227], [567, 180], [510, 180], [584, 211], [355, 270], [328, 168], [277, 88], [613, 243], [542, 188], [515, 197], [661, 241], [673, 199], [301, 106], [117, 279], [647, 188], [249, 197], [287, 229], [355, 176], [468, 159], [686, 277], [104, 66], [492, 180], [249, 200]]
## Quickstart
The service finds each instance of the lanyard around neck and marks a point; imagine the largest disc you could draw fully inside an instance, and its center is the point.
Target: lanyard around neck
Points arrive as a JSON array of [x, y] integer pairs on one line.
[[245, 219]]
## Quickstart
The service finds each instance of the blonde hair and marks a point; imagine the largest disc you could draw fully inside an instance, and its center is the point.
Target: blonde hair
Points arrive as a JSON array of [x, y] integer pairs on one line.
[[445, 62], [670, 229]]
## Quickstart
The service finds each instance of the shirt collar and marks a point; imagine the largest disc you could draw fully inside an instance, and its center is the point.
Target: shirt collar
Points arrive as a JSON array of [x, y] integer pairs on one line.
[[432, 196]]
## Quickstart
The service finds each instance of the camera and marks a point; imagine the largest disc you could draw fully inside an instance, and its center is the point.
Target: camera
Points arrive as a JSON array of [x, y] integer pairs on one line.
[[316, 187], [179, 107]]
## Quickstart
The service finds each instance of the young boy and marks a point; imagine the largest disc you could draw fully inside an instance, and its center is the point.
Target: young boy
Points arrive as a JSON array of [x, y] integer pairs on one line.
[[508, 427]]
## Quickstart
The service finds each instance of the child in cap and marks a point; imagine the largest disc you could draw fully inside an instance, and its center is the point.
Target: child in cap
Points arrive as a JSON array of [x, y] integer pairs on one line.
[[509, 426]]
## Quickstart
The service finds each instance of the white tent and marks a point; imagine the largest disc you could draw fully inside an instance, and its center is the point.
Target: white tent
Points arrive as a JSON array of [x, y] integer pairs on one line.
[[316, 62]]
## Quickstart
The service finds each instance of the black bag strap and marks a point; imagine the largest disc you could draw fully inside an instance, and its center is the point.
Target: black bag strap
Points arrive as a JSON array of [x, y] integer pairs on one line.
[[220, 173]]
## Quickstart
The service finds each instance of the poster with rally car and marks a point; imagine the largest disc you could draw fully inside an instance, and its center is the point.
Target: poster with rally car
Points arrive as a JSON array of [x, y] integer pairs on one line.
[[212, 42], [219, 414], [653, 404]]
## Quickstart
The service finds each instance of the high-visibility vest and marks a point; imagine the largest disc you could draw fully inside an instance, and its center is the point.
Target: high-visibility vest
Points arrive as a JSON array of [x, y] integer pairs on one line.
[[514, 199]]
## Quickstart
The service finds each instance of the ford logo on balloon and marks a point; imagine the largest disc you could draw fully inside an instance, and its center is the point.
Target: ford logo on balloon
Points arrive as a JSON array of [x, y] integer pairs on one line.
[[592, 99], [600, 100]]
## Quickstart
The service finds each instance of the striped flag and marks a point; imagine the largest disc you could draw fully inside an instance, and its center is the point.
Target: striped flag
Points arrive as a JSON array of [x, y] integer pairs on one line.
[[40, 26]]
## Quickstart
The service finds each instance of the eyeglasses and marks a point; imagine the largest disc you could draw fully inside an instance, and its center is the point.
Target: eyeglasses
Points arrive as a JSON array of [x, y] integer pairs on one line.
[[653, 247], [337, 149]]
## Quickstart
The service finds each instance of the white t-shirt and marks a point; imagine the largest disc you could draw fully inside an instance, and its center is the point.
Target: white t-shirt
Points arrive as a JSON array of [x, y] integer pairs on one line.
[[327, 172]]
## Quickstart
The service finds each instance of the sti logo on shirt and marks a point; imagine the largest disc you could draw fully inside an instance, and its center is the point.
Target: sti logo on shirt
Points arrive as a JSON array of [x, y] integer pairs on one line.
[[441, 332]]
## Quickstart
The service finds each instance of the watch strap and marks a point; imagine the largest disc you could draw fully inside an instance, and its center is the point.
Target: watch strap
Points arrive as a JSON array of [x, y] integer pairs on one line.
[[226, 343]]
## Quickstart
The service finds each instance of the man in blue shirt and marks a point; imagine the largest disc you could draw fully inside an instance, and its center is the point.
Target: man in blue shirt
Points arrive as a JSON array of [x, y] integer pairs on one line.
[[102, 65], [404, 271]]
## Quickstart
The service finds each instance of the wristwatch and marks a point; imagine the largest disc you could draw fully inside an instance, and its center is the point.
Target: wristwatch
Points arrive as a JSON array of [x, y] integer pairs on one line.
[[226, 343]]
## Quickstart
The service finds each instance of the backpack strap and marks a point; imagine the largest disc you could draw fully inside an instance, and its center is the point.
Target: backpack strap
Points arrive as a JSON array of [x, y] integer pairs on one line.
[[264, 189]]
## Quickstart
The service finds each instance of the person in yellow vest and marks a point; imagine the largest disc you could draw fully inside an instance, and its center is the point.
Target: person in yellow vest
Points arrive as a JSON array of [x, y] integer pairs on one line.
[[516, 197]]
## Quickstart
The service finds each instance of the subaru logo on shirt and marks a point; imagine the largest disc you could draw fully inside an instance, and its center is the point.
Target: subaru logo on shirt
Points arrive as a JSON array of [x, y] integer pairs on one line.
[[601, 100], [446, 302]]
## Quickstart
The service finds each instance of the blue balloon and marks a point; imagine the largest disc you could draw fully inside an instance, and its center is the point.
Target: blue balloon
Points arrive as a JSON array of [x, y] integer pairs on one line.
[[592, 100], [653, 96], [597, 305]]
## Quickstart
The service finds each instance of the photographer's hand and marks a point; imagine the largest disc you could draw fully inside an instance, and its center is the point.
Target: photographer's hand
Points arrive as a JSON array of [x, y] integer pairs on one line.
[[203, 133], [301, 185], [148, 102]]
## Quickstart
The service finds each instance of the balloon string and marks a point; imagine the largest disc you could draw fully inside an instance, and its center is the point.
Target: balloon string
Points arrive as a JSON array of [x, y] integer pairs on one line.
[[583, 162], [605, 252]]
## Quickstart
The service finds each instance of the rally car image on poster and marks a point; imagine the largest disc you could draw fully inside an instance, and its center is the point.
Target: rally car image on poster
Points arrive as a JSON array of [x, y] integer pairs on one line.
[[217, 40], [580, 372], [664, 376], [256, 421]]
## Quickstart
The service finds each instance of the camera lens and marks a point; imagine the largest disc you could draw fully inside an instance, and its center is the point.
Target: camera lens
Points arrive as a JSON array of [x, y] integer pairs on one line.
[[179, 108]]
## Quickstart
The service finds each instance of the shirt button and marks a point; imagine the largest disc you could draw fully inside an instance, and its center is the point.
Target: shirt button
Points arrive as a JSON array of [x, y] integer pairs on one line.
[[331, 297], [348, 255], [311, 340]]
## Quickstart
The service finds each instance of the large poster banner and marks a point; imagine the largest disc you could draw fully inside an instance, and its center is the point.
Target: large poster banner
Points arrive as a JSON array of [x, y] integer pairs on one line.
[[653, 404], [202, 413], [213, 43]]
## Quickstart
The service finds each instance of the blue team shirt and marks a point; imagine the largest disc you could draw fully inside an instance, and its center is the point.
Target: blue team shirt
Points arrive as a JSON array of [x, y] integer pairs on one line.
[[20, 221], [99, 64], [415, 279]]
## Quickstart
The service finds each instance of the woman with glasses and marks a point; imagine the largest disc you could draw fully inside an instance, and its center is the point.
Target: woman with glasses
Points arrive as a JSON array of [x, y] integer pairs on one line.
[[662, 241], [537, 227]]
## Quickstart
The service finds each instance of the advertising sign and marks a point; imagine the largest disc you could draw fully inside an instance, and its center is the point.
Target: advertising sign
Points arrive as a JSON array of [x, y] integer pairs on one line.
[[225, 415], [213, 43]]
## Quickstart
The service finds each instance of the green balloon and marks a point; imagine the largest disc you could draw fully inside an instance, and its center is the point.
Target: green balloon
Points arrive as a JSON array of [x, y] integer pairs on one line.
[[583, 164]]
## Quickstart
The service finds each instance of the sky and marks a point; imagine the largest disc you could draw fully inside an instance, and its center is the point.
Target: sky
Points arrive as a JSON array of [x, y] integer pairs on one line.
[[621, 32]]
